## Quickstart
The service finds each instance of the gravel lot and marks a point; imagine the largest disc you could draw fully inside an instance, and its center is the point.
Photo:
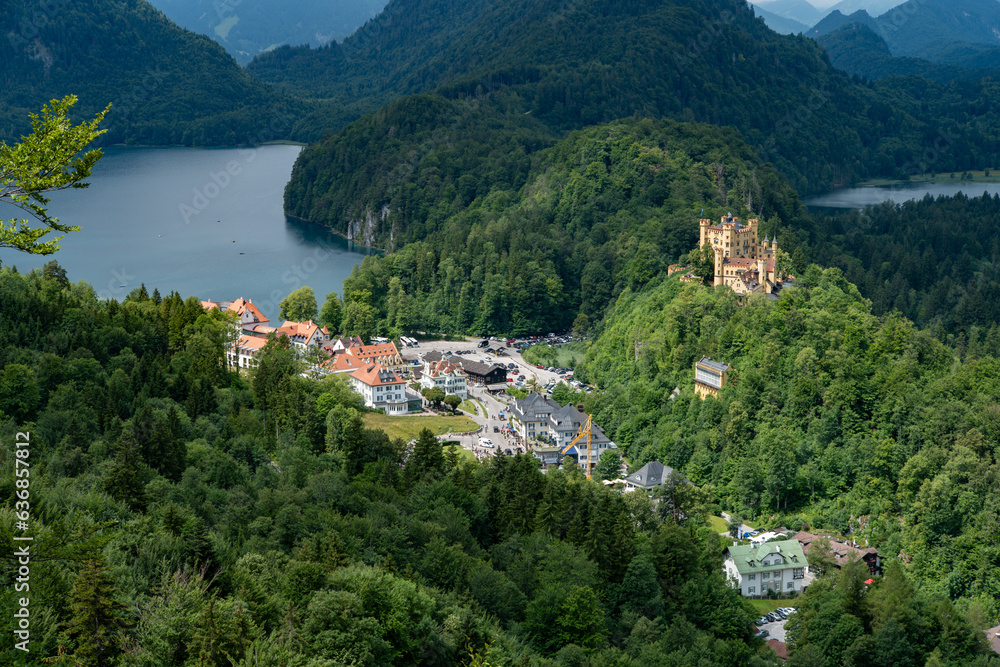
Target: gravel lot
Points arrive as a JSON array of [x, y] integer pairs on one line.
[[512, 356]]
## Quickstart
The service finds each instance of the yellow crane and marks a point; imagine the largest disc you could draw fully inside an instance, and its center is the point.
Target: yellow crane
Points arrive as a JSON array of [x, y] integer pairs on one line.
[[585, 430]]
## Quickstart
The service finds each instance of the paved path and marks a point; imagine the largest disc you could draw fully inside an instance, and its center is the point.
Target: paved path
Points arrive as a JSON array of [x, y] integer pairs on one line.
[[728, 517]]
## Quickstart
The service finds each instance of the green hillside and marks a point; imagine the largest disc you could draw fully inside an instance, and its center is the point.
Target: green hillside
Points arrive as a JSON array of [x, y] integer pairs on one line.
[[167, 85], [834, 418], [519, 240], [228, 521]]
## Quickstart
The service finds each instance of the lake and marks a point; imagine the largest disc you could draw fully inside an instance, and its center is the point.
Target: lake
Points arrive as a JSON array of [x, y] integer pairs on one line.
[[200, 221], [866, 196]]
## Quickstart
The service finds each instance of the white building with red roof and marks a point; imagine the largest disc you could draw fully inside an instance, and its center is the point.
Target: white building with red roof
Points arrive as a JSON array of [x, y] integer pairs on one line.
[[244, 352], [384, 354], [248, 315], [304, 334], [381, 388], [446, 375]]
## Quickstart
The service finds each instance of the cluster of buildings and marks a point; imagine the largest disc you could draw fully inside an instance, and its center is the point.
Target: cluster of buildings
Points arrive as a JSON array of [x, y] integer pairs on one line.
[[540, 419]]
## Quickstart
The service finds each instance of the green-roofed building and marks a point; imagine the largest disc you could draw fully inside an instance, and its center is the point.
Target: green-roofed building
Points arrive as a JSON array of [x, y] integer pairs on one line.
[[777, 566]]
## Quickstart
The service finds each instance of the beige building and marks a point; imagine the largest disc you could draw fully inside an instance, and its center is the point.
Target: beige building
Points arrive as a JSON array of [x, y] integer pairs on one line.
[[709, 377], [741, 261]]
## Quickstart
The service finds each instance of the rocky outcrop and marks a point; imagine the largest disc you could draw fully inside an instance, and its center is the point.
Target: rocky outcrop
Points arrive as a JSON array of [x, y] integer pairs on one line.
[[364, 230]]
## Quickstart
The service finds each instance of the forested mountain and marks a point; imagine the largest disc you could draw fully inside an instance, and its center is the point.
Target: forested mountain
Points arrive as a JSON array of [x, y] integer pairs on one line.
[[246, 28], [835, 20], [857, 50], [517, 240], [184, 516], [835, 419], [167, 85], [572, 67], [935, 261]]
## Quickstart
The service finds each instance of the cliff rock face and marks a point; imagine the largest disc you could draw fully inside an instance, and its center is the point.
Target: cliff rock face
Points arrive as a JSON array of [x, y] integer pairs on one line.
[[363, 230]]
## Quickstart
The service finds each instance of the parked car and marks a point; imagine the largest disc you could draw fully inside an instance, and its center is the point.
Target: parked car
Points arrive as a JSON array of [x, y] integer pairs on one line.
[[760, 621], [762, 634]]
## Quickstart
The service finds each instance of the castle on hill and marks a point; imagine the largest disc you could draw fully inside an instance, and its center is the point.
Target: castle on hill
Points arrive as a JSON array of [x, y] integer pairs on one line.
[[742, 262]]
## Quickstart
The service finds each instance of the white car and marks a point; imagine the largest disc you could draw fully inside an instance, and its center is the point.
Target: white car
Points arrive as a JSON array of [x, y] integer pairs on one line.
[[485, 442]]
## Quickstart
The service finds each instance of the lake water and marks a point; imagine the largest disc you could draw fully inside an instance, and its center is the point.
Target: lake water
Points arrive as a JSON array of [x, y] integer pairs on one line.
[[859, 197], [202, 222]]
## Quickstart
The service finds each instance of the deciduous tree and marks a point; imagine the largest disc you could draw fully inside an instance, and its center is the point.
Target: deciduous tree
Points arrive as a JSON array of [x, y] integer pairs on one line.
[[47, 160]]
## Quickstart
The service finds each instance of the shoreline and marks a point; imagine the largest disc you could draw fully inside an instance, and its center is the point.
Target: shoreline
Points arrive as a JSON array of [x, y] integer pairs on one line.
[[341, 235]]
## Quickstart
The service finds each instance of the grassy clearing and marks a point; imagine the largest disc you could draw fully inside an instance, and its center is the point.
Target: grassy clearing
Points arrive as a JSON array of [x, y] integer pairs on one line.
[[719, 524], [469, 406], [560, 356], [943, 177], [408, 427], [462, 451]]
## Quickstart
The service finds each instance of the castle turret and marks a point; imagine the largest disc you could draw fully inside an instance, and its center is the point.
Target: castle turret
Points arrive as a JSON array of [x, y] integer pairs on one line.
[[719, 276]]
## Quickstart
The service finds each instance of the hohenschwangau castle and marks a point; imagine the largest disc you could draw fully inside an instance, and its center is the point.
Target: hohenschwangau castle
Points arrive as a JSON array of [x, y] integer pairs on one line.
[[742, 262]]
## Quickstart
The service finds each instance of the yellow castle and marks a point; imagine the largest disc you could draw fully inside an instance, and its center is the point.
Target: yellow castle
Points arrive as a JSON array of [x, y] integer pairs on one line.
[[742, 262]]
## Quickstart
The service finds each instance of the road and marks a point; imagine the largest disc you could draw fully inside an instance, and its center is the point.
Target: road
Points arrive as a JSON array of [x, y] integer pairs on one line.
[[743, 527]]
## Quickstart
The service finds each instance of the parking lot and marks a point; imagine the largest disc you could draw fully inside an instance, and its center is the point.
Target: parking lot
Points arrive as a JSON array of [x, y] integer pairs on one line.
[[511, 355], [775, 629]]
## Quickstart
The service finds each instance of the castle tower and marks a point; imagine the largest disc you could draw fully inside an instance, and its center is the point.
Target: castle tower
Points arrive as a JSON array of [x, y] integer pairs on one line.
[[719, 275], [703, 225]]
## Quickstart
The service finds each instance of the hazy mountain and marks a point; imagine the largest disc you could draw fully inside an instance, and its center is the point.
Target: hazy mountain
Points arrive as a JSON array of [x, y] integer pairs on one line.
[[167, 85], [918, 26], [836, 19], [797, 10], [247, 28], [872, 7], [780, 24], [856, 49]]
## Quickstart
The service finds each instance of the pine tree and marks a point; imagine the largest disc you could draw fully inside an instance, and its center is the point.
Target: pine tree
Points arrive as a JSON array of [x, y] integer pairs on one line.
[[124, 480], [96, 616], [427, 459]]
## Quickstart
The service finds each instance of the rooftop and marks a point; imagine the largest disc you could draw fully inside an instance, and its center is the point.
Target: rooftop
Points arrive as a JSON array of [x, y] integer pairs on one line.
[[714, 365], [749, 558]]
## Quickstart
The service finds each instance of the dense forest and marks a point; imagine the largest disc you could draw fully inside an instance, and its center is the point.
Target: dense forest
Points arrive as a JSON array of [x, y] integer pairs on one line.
[[166, 85], [934, 261], [563, 68], [199, 517], [834, 418]]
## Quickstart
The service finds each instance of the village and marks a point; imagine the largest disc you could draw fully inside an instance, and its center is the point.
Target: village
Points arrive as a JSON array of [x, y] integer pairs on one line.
[[407, 377]]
